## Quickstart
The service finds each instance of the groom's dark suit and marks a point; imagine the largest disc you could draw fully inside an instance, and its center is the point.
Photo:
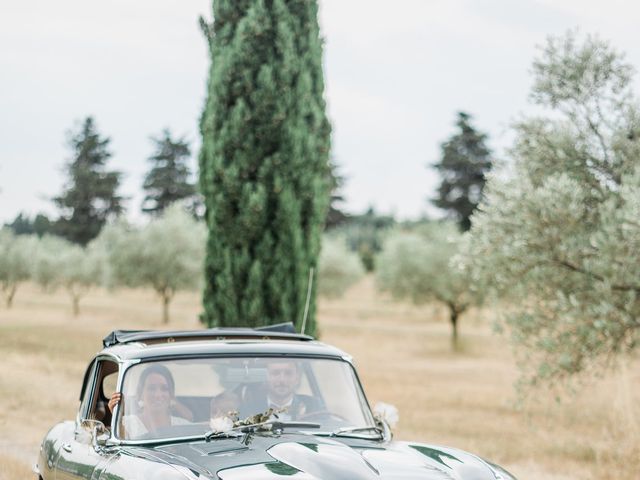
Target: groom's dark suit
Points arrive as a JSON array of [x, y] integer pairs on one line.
[[257, 402]]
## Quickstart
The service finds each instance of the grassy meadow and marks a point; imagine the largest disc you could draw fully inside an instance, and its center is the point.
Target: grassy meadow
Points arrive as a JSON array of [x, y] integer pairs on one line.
[[403, 354]]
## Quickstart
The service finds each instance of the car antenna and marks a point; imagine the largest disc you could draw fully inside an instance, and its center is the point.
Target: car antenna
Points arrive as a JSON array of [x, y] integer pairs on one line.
[[306, 305]]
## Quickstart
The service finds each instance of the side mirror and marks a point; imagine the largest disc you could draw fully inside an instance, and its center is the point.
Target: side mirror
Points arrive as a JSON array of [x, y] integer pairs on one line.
[[96, 432], [101, 438]]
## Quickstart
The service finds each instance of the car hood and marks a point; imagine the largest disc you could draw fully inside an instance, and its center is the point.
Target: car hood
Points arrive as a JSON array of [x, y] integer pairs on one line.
[[306, 457]]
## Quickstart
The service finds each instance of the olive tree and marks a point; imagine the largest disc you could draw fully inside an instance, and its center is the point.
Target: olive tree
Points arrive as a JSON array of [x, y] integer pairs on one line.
[[419, 266], [560, 232], [167, 254], [81, 270], [339, 268], [60, 263], [46, 265], [15, 262]]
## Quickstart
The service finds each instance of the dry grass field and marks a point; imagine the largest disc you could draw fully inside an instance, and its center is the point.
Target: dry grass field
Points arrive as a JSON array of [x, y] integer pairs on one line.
[[464, 399]]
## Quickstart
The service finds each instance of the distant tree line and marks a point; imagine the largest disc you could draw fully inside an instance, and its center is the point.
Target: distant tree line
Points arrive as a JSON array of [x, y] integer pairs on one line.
[[90, 197], [90, 201], [166, 255]]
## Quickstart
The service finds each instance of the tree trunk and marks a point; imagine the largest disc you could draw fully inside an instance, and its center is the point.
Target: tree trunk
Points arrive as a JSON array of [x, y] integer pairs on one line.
[[455, 310], [454, 328], [76, 305], [166, 299], [10, 295]]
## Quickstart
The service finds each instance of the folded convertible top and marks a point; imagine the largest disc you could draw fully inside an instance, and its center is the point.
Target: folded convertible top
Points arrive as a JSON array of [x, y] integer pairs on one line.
[[280, 331]]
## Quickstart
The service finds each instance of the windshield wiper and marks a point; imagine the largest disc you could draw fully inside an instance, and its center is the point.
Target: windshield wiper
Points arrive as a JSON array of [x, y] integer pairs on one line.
[[275, 426], [266, 422], [353, 432], [238, 425], [213, 434]]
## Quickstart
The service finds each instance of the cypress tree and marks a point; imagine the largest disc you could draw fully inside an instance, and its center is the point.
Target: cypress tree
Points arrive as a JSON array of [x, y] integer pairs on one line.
[[264, 163]]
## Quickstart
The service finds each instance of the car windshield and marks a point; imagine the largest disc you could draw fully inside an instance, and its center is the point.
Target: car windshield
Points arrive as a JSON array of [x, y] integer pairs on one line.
[[191, 397]]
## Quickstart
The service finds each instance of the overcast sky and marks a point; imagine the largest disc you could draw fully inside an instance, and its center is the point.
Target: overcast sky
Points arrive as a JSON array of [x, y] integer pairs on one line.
[[396, 73]]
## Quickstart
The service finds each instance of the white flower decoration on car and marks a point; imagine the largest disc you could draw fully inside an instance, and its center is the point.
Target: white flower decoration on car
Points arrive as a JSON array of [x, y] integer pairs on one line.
[[387, 412], [221, 424]]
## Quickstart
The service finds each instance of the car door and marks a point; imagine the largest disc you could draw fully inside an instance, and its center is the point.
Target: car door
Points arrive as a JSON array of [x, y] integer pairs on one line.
[[79, 457]]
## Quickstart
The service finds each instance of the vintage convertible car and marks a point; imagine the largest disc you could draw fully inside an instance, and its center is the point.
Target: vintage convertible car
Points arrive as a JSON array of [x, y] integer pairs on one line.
[[234, 404]]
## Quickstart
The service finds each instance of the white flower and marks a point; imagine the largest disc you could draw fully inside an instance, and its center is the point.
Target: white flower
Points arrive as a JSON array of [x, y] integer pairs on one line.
[[221, 424], [388, 413]]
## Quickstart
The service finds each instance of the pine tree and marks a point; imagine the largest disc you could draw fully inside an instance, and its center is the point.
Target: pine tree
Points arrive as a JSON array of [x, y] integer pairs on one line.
[[23, 225], [335, 216], [465, 162], [90, 195], [168, 180], [264, 164]]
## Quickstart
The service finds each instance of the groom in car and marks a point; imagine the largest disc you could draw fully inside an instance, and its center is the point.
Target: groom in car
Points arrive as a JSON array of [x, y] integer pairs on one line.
[[283, 380]]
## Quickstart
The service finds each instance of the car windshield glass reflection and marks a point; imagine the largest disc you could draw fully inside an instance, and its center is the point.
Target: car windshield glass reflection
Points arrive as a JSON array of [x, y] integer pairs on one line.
[[191, 397]]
